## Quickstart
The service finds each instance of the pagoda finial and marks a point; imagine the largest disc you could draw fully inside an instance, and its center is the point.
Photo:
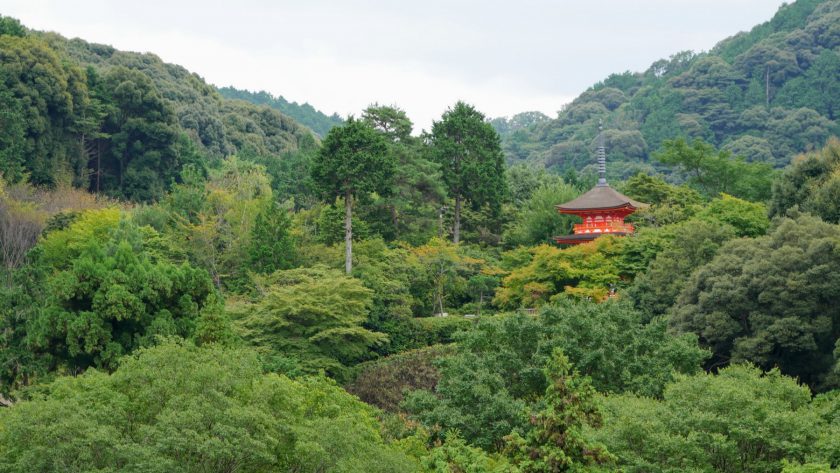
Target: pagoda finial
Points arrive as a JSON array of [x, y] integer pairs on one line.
[[602, 156]]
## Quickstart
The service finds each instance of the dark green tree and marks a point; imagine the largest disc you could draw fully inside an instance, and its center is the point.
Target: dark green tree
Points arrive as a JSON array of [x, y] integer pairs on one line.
[[812, 183], [694, 244], [770, 301], [391, 121], [409, 212], [142, 158], [538, 221], [11, 26], [12, 137], [47, 97], [353, 160], [469, 152], [496, 372]]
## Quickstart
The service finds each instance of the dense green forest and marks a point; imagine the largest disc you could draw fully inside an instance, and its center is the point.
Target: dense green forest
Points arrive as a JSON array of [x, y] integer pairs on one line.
[[304, 114], [764, 95], [191, 283]]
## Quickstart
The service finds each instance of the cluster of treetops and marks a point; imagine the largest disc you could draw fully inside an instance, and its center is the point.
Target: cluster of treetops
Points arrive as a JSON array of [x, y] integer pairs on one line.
[[765, 95], [177, 291]]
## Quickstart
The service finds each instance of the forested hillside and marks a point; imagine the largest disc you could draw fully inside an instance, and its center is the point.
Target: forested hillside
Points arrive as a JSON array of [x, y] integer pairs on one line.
[[304, 114], [120, 123], [764, 95], [194, 284]]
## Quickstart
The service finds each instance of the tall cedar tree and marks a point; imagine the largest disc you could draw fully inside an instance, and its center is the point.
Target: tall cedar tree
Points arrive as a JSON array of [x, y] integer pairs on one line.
[[556, 442], [470, 154], [354, 158]]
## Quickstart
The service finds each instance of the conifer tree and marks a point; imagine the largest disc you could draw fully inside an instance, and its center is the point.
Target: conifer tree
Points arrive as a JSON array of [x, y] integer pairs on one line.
[[556, 442], [469, 152], [353, 159]]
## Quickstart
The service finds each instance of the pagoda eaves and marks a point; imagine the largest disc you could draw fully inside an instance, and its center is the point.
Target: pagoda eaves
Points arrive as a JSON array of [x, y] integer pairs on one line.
[[601, 208]]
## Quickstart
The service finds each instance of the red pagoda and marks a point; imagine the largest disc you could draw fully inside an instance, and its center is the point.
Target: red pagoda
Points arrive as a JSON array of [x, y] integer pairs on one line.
[[602, 208]]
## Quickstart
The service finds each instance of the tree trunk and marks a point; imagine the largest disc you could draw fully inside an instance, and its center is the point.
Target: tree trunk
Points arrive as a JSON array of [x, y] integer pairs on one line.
[[395, 217], [456, 237], [348, 232], [98, 163], [767, 86]]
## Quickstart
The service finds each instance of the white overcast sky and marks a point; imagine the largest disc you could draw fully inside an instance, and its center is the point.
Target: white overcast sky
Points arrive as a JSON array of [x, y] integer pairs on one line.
[[504, 57]]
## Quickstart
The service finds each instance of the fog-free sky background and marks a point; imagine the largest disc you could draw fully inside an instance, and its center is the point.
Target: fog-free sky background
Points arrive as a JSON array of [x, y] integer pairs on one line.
[[504, 57]]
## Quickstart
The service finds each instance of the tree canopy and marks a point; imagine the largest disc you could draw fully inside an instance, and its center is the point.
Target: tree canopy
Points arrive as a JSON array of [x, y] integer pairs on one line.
[[469, 152], [770, 301]]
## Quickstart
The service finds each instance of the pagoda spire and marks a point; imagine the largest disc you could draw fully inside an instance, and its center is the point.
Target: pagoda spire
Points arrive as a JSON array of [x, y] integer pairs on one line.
[[601, 209], [602, 156]]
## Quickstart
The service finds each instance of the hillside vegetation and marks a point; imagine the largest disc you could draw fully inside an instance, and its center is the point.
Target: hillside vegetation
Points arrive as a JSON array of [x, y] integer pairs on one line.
[[765, 95], [195, 284], [304, 114], [124, 124]]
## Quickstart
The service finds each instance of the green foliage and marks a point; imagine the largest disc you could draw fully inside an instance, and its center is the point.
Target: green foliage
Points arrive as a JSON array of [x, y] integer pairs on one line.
[[442, 275], [538, 220], [747, 218], [304, 113], [212, 410], [142, 155], [408, 209], [383, 382], [522, 180], [496, 374], [583, 271], [390, 121], [271, 246], [714, 172], [770, 301], [106, 288], [119, 123], [741, 420], [215, 220], [806, 468], [353, 160], [311, 317], [694, 244], [11, 26], [654, 190], [812, 182], [469, 153], [47, 98], [765, 95], [611, 344], [12, 133], [331, 224], [555, 442], [455, 455]]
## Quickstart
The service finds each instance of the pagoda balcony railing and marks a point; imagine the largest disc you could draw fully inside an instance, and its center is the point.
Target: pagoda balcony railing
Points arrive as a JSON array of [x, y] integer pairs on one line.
[[603, 227]]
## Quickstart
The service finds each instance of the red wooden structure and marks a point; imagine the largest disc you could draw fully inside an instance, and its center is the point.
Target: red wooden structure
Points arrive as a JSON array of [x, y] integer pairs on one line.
[[602, 209]]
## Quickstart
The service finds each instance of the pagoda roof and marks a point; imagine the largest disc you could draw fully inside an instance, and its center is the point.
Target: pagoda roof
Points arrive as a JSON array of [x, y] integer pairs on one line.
[[601, 197]]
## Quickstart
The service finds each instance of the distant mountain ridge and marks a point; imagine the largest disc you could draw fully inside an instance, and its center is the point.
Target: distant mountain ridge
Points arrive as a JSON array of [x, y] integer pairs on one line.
[[305, 114], [766, 94]]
